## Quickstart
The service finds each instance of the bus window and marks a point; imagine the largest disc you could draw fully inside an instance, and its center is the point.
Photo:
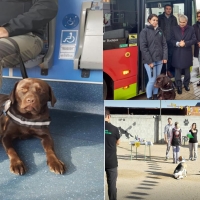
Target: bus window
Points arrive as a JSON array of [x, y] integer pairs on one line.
[[178, 9], [194, 9], [120, 18]]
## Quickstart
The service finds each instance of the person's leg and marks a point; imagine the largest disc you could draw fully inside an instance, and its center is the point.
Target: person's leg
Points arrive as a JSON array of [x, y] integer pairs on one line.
[[150, 84], [177, 153], [168, 149], [158, 67], [30, 46], [198, 84], [174, 154], [111, 180], [195, 150], [186, 80], [178, 77], [170, 53], [190, 151]]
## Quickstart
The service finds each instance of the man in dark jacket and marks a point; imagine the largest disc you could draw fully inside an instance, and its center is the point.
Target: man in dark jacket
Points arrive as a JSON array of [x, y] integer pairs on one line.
[[111, 140], [183, 37], [166, 21], [24, 21], [197, 45]]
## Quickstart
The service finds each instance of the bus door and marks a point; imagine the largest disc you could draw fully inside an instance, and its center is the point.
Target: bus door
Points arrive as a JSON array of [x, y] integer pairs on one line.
[[186, 7]]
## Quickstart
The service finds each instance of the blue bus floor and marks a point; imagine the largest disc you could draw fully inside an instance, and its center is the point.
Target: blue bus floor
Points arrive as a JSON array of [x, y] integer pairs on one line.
[[79, 143]]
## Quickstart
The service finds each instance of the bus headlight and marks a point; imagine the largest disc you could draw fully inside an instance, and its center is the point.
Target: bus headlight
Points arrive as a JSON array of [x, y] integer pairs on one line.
[[125, 72]]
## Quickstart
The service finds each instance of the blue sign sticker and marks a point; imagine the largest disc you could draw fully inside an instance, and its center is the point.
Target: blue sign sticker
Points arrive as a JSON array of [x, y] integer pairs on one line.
[[70, 21], [69, 37]]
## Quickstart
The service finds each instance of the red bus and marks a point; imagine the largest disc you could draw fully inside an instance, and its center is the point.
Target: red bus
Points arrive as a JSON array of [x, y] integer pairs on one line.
[[123, 71]]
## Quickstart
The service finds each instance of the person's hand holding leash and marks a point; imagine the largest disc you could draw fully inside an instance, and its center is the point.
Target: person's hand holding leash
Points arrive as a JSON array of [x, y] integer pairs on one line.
[[164, 61], [151, 65]]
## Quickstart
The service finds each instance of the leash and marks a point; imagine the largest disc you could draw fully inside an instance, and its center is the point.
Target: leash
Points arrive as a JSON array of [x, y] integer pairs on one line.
[[152, 70], [21, 63]]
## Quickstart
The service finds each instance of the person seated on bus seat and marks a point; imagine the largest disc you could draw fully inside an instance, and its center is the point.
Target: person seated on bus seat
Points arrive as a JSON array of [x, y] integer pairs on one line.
[[153, 47], [26, 28], [166, 21]]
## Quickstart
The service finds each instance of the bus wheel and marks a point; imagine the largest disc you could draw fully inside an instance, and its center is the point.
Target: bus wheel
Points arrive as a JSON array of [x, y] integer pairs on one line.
[[104, 90]]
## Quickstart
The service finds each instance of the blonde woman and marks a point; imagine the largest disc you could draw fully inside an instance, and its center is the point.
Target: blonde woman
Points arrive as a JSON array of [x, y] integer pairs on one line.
[[193, 143], [176, 141]]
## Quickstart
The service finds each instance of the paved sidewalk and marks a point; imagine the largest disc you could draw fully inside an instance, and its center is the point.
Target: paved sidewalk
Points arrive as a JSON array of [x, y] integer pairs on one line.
[[152, 179], [194, 92]]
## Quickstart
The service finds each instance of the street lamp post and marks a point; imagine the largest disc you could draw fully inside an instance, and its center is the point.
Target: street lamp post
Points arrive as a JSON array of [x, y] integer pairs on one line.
[[161, 122]]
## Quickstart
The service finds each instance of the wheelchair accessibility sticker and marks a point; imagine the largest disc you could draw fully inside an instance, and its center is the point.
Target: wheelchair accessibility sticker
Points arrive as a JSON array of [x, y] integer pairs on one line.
[[68, 44]]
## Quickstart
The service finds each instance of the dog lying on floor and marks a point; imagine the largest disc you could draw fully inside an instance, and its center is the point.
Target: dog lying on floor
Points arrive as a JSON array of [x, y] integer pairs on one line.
[[166, 88], [24, 113], [181, 169]]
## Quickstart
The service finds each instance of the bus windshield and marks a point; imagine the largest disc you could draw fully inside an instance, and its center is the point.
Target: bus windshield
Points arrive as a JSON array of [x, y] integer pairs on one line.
[[120, 19]]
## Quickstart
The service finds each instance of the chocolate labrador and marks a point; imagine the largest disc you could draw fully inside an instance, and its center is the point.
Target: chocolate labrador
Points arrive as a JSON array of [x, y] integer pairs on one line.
[[166, 88], [25, 113]]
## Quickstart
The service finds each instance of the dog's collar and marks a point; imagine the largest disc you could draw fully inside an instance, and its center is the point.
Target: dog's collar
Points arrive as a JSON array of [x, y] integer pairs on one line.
[[167, 90], [23, 121]]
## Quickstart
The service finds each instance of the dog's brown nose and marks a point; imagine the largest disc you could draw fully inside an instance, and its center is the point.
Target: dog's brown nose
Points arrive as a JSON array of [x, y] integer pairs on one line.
[[30, 100]]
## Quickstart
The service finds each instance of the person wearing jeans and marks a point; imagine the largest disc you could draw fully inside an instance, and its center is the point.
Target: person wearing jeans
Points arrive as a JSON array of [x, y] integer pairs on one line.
[[154, 51], [193, 143], [156, 69], [168, 136], [176, 142]]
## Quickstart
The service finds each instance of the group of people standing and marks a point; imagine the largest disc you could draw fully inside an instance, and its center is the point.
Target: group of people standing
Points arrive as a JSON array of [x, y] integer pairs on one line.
[[173, 137], [163, 41]]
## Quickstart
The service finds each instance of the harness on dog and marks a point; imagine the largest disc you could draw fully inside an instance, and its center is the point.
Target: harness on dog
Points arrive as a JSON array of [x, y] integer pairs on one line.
[[23, 121]]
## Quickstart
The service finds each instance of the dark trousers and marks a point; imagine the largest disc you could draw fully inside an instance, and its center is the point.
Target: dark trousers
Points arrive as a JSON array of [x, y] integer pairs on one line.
[[111, 180], [186, 80]]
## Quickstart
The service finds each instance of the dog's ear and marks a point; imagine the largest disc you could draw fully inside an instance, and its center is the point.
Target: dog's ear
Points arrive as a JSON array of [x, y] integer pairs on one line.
[[12, 96], [52, 98], [180, 158]]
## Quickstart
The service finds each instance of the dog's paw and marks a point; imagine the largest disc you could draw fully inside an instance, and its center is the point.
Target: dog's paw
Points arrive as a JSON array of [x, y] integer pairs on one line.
[[56, 166], [17, 167]]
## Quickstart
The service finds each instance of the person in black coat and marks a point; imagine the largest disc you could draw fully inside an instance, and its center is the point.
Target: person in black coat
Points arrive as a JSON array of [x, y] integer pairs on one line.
[[166, 21], [182, 38], [24, 22], [197, 45], [153, 47]]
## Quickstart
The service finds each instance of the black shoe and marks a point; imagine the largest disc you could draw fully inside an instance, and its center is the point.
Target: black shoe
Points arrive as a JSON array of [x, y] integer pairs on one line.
[[155, 97], [179, 90], [150, 98], [187, 88]]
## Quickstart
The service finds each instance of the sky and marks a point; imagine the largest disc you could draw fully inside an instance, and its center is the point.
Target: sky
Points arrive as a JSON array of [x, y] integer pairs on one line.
[[150, 103]]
